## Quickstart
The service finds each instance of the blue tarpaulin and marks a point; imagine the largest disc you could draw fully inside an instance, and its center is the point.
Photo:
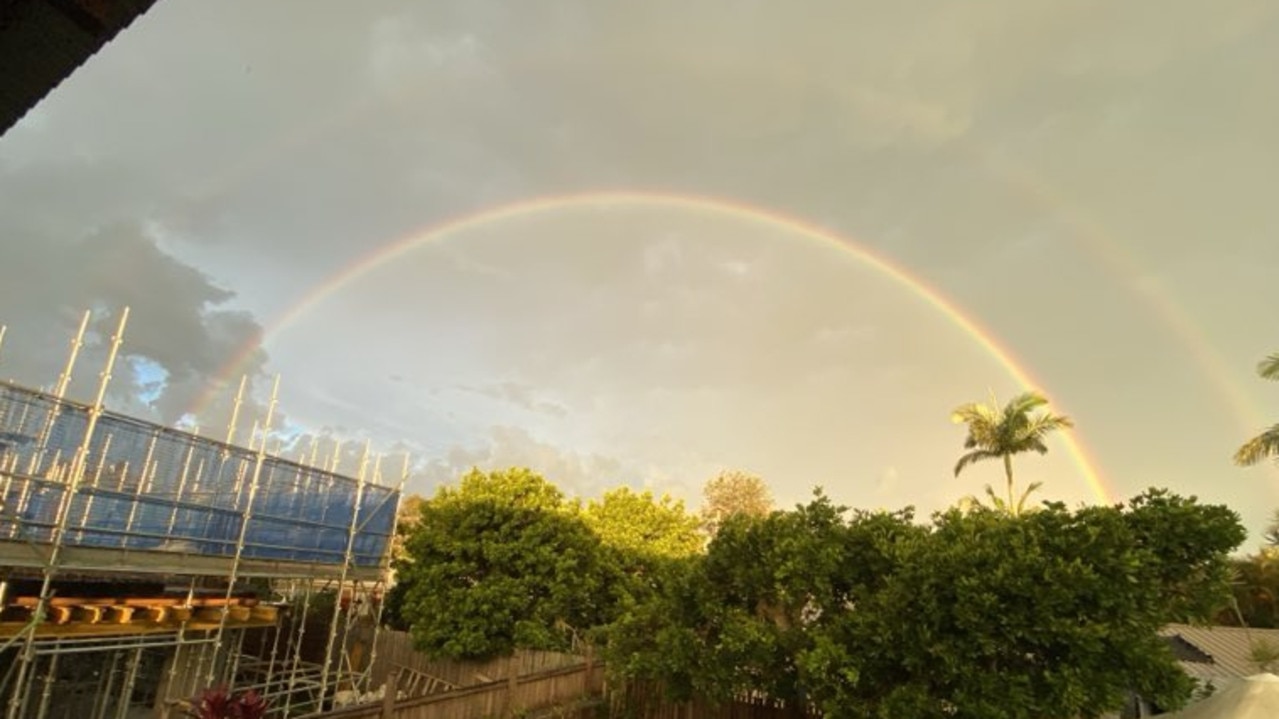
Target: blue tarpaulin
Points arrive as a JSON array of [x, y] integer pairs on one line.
[[146, 486]]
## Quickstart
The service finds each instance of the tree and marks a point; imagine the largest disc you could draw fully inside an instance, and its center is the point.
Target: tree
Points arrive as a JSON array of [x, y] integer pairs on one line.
[[1272, 531], [1266, 444], [1053, 613], [982, 614], [501, 562], [996, 432], [1255, 585], [639, 523], [409, 516], [642, 537], [733, 492], [737, 619]]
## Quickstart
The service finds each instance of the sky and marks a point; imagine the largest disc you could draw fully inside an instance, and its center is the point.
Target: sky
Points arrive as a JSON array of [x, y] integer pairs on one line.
[[1090, 182]]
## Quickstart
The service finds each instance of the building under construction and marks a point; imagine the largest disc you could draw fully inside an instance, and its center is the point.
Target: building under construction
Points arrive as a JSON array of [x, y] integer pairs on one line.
[[141, 565]]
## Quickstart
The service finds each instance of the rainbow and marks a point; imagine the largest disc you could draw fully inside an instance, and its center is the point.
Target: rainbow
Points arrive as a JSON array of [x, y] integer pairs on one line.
[[635, 199], [924, 120], [1108, 252]]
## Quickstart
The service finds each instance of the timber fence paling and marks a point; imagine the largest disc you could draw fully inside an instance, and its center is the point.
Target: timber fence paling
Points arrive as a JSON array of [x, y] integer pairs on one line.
[[541, 690], [395, 649]]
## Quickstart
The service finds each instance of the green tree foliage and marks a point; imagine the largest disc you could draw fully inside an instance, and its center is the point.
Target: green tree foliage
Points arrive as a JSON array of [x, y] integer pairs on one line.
[[1266, 444], [410, 515], [1054, 613], [640, 533], [733, 492], [1255, 583], [996, 432], [638, 523], [499, 562], [981, 614], [736, 620], [642, 537]]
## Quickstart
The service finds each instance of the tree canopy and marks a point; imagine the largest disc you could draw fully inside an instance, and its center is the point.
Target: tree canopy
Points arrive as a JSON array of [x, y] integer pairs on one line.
[[733, 492], [978, 613], [981, 614], [639, 523], [505, 561], [502, 561]]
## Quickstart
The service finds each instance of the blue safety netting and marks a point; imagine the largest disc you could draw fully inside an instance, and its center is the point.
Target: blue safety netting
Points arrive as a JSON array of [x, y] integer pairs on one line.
[[149, 487]]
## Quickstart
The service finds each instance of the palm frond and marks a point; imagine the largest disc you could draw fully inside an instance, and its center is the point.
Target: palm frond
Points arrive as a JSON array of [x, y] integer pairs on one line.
[[1268, 368], [1030, 489], [1024, 403], [976, 455], [996, 502], [1048, 422], [1263, 446], [1036, 444], [1272, 530], [975, 413]]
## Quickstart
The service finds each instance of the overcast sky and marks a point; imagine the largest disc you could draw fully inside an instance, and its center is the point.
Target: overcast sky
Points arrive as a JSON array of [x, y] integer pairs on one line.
[[1092, 181]]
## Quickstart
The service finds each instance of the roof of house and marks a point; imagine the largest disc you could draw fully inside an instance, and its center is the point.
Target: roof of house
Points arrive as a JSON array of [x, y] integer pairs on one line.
[[1218, 653], [1251, 697], [43, 41]]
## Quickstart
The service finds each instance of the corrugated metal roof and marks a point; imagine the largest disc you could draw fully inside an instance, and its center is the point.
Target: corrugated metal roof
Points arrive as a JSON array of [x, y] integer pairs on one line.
[[1229, 649]]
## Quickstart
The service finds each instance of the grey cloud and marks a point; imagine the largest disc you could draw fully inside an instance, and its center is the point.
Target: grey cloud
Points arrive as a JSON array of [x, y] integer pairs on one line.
[[176, 321]]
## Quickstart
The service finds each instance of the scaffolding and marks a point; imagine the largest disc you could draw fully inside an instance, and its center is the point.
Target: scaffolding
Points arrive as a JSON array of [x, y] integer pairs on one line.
[[140, 565]]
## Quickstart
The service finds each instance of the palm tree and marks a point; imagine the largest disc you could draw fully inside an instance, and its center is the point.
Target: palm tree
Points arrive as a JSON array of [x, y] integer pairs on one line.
[[996, 432], [1266, 444]]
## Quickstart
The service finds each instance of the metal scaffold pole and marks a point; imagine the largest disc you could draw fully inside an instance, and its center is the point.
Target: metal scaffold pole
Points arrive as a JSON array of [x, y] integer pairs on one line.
[[64, 379], [346, 566], [385, 565], [122, 708], [337, 456], [64, 505], [235, 410], [78, 463], [122, 507], [245, 517], [297, 651], [59, 391]]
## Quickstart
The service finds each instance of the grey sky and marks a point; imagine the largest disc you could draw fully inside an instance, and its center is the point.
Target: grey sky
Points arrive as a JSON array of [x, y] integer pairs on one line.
[[1090, 180]]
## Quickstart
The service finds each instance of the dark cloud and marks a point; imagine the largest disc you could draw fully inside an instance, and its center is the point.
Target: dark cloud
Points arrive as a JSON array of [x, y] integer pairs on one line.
[[176, 320]]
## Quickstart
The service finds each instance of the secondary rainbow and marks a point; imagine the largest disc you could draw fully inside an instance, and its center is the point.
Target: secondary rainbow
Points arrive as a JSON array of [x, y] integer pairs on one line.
[[657, 200], [921, 119]]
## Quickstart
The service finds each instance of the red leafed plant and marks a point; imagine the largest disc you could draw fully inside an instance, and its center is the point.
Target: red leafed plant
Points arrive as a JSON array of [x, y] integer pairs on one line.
[[218, 703]]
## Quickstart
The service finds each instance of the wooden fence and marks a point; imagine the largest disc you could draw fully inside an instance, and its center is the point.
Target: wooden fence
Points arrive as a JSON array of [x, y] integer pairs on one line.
[[500, 698], [529, 681], [395, 650]]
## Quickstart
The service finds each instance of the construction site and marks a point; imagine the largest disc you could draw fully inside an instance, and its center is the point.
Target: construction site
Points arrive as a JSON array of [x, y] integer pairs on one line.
[[141, 565]]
